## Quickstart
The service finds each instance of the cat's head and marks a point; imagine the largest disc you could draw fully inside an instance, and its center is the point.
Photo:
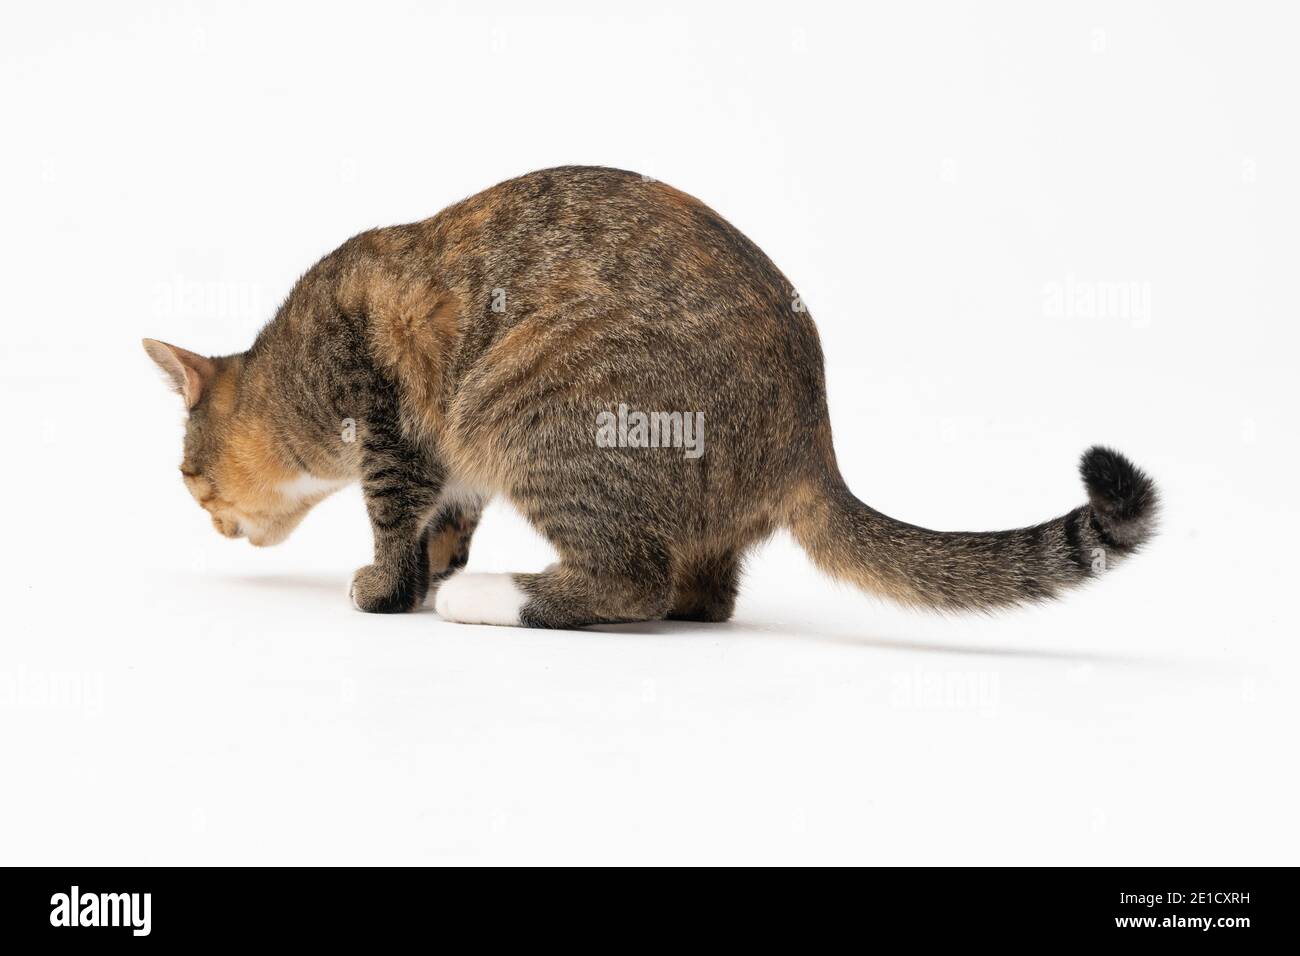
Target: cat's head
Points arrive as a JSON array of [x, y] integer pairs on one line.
[[232, 463]]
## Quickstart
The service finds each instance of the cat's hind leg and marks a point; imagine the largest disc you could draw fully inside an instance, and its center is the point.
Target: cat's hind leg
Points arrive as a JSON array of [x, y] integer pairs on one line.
[[705, 586], [562, 596], [609, 572]]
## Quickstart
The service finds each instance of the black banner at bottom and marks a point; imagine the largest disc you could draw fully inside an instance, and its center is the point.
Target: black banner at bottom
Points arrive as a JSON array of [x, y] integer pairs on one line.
[[136, 907]]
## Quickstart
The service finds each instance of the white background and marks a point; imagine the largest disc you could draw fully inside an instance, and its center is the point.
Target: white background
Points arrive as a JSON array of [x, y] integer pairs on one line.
[[931, 176]]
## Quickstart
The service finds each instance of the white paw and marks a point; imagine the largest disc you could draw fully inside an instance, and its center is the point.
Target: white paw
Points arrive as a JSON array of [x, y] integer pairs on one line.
[[480, 599]]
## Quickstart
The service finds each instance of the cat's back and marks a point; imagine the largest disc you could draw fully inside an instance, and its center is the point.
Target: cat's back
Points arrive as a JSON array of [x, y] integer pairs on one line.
[[591, 231]]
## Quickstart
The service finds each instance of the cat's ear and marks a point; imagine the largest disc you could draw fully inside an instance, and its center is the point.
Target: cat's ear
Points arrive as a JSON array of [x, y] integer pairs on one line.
[[190, 373]]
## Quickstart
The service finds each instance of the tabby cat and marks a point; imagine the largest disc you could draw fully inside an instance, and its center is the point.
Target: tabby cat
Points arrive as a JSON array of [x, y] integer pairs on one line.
[[619, 362]]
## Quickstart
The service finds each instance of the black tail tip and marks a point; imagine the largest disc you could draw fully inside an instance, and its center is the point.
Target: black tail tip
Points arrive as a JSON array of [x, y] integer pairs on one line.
[[1119, 491]]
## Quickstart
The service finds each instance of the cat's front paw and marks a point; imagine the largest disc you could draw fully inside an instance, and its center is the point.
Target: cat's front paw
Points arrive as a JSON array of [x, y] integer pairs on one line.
[[378, 591]]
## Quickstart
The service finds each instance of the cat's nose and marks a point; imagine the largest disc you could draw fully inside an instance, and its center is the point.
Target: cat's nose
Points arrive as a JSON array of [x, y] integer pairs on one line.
[[227, 527]]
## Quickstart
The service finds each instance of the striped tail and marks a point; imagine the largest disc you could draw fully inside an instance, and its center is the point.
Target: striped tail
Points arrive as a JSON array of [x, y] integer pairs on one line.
[[960, 570]]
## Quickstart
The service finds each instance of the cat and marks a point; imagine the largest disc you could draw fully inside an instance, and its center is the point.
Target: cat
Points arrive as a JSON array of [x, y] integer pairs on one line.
[[481, 353]]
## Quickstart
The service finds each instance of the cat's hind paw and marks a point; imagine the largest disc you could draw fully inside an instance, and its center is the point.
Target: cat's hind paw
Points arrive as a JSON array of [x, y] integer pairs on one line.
[[480, 599]]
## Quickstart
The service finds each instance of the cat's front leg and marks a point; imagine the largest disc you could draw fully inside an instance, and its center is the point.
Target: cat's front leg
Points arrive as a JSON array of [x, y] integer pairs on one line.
[[447, 539], [401, 487]]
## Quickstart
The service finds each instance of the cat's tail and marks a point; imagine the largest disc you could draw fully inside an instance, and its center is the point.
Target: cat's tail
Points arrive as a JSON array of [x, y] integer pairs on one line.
[[958, 570]]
